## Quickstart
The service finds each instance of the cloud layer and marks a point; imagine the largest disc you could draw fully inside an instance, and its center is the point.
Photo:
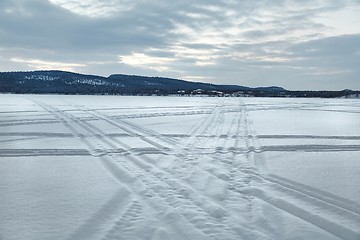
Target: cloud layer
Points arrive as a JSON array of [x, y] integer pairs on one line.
[[293, 44]]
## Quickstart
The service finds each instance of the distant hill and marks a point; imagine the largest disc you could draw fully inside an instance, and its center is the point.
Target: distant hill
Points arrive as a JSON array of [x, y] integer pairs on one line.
[[61, 82], [75, 83]]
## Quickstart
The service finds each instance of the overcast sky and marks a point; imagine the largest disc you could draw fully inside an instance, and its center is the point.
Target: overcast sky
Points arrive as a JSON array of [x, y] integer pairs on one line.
[[296, 44]]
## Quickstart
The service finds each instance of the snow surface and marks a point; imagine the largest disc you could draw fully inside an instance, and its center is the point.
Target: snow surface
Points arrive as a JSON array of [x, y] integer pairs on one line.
[[111, 167]]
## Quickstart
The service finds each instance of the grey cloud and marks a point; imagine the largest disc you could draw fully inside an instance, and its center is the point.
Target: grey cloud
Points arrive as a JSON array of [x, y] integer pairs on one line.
[[48, 26], [225, 41], [344, 45], [327, 63]]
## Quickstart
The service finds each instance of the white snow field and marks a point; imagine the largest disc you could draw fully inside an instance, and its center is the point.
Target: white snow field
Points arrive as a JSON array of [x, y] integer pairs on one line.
[[115, 167]]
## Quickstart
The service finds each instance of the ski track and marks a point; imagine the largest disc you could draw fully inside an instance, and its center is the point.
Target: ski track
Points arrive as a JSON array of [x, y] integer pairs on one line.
[[172, 193], [212, 125], [150, 193], [177, 191], [43, 152], [338, 208], [334, 215]]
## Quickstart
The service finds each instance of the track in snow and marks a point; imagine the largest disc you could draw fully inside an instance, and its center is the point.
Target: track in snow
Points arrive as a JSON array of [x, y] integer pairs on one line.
[[206, 183]]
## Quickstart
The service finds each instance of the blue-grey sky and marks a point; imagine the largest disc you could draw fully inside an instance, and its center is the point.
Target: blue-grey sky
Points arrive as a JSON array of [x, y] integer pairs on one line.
[[307, 44]]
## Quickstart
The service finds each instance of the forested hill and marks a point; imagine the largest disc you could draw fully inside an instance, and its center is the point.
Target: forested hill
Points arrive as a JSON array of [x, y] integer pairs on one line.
[[61, 82], [75, 83]]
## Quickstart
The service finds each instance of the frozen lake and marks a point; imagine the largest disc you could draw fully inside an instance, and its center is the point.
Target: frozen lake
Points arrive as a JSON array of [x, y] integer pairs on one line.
[[115, 167]]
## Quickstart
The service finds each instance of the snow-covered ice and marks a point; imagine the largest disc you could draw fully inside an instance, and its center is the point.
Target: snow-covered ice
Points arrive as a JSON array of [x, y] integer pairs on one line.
[[115, 167]]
